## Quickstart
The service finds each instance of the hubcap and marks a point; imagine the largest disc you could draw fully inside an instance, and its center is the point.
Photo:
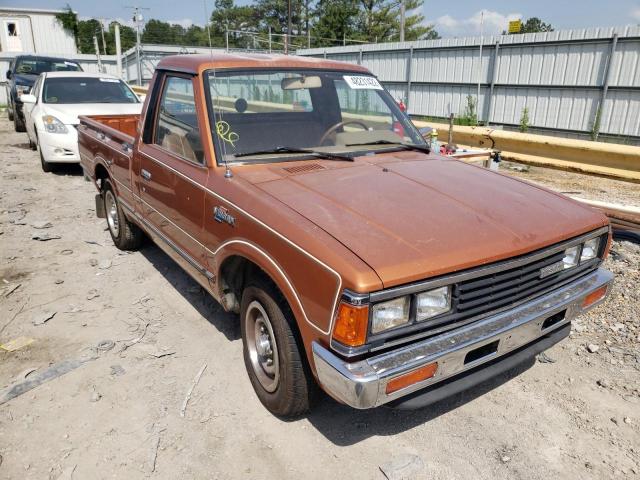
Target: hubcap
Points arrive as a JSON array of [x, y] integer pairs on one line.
[[261, 343], [112, 213]]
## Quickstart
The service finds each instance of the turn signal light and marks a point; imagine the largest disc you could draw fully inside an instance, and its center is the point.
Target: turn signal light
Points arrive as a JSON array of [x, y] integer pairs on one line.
[[418, 375], [351, 325], [594, 296]]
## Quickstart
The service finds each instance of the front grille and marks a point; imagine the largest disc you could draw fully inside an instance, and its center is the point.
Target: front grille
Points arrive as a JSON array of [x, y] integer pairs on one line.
[[495, 291], [475, 295]]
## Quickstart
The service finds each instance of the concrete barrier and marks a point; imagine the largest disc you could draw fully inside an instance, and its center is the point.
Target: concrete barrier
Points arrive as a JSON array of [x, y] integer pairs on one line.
[[597, 158]]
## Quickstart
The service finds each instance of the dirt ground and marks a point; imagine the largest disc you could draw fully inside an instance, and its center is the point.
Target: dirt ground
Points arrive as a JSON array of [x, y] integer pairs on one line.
[[575, 414]]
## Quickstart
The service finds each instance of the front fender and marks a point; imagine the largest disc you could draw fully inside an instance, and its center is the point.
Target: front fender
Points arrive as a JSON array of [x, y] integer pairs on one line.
[[309, 328]]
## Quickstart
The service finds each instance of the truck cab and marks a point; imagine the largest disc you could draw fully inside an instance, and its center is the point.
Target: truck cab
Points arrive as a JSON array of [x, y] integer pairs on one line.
[[301, 197]]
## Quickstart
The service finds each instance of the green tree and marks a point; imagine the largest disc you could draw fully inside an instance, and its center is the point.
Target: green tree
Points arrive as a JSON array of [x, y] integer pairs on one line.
[[127, 38], [158, 32], [535, 25], [69, 21], [228, 15], [414, 26], [334, 20], [87, 29]]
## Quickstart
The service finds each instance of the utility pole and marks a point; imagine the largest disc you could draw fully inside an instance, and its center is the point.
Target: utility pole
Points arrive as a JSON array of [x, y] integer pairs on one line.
[[118, 49], [138, 19], [479, 68], [269, 38], [402, 21], [95, 45], [226, 38], [104, 44], [288, 37]]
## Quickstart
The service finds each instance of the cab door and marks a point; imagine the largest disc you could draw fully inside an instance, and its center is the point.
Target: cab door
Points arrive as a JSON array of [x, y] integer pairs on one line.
[[173, 171]]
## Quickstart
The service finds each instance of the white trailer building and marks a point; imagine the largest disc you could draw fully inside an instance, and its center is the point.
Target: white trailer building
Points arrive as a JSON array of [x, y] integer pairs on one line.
[[29, 30]]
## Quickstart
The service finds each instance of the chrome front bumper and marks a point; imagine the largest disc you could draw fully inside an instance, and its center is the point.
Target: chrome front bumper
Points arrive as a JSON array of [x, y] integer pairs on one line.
[[362, 384]]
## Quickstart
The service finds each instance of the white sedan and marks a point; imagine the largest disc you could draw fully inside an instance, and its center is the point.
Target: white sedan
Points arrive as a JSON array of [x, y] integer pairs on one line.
[[51, 111]]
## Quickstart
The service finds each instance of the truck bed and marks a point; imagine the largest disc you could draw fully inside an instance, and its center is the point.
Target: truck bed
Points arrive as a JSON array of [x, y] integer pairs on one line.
[[110, 137], [120, 126]]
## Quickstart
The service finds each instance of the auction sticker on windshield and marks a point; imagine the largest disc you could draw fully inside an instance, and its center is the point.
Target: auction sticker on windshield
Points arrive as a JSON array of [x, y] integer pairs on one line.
[[360, 82]]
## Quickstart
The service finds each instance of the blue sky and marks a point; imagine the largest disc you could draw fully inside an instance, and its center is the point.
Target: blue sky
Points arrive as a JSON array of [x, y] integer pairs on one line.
[[453, 18]]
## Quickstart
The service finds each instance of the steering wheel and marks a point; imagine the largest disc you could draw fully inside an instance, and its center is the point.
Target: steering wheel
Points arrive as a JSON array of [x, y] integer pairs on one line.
[[333, 129]]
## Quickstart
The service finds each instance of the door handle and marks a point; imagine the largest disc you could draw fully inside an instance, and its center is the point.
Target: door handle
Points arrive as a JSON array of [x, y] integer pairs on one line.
[[145, 174]]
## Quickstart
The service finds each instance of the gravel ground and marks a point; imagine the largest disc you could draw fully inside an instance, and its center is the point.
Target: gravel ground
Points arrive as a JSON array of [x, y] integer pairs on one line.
[[574, 414]]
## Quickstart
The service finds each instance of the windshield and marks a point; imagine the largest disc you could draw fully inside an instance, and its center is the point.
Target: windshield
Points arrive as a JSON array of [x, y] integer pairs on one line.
[[272, 112], [86, 90], [36, 66]]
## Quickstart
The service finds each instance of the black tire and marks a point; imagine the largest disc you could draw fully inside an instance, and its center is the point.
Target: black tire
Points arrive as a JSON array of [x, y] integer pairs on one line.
[[296, 388], [125, 234], [10, 115], [18, 123], [32, 145], [46, 166]]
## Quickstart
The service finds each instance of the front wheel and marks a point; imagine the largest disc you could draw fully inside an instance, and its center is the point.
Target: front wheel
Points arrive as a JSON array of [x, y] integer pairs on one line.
[[273, 356], [46, 166], [125, 234]]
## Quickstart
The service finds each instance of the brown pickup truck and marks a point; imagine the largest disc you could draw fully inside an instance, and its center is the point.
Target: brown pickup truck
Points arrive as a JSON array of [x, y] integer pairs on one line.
[[299, 195]]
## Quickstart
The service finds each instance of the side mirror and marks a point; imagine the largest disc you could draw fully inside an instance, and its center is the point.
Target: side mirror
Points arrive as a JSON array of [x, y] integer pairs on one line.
[[28, 98], [8, 74]]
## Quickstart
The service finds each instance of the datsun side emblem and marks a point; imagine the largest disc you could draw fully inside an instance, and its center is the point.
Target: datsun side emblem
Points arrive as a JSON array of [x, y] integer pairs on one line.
[[222, 215], [551, 269]]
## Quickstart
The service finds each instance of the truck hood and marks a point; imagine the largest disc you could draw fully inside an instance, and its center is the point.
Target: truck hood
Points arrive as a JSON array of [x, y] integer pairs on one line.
[[410, 216], [69, 113]]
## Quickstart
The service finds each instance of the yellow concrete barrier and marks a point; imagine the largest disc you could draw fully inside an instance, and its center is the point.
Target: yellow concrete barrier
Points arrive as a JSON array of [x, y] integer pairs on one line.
[[597, 158]]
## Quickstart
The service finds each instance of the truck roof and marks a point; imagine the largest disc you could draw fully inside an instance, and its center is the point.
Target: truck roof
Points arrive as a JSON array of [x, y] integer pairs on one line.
[[218, 60]]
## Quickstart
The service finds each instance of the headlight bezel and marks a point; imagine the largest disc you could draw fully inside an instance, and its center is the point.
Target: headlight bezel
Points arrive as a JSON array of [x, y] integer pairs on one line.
[[54, 125]]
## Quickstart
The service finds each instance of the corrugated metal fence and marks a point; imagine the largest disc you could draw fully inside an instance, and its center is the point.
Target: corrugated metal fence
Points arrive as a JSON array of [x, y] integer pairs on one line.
[[569, 80]]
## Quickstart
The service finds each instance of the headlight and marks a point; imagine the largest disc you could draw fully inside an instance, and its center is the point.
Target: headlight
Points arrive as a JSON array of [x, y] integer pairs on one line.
[[390, 314], [590, 249], [571, 257], [53, 125], [432, 303], [22, 90]]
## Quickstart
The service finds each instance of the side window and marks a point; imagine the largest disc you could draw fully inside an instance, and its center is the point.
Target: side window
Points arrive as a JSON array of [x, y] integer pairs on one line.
[[176, 121]]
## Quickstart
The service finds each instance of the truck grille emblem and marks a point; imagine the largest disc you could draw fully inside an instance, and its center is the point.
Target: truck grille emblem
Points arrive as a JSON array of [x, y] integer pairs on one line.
[[551, 269]]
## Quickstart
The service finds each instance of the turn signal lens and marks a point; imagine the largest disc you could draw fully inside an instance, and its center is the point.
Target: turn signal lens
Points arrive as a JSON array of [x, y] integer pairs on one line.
[[594, 296], [418, 375], [351, 325]]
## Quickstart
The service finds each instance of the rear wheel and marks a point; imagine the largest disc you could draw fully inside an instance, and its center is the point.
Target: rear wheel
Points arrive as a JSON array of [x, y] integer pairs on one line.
[[18, 123], [10, 115], [125, 234], [273, 355]]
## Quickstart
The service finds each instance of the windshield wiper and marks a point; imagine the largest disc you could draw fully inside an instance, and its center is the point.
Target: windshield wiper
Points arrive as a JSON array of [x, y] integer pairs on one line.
[[408, 146], [315, 153]]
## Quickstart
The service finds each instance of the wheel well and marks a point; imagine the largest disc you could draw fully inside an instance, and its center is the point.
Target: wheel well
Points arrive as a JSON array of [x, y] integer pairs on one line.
[[235, 272], [101, 175]]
